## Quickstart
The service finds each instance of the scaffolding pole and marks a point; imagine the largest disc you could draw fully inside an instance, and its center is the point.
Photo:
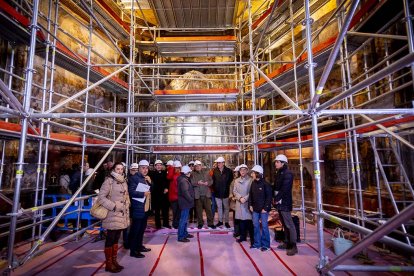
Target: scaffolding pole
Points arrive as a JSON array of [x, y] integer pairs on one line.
[[3, 151], [409, 26], [316, 161], [22, 142], [252, 78]]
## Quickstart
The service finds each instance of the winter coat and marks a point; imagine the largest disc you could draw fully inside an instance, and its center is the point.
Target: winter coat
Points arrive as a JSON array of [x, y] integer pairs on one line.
[[201, 190], [221, 182], [260, 197], [138, 209], [173, 186], [117, 204], [185, 192], [242, 189], [283, 187], [159, 184]]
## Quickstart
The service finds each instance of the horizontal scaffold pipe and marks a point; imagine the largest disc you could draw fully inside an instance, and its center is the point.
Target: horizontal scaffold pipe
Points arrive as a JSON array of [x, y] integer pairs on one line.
[[191, 144], [169, 114], [399, 37], [367, 111], [219, 113], [393, 268], [176, 64]]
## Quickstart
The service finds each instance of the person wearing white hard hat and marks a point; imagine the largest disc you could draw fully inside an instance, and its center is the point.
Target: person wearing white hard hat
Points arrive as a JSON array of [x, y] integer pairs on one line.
[[260, 203], [139, 191], [159, 195], [232, 202], [173, 172], [283, 198], [241, 193], [133, 169], [222, 178], [185, 202], [201, 181]]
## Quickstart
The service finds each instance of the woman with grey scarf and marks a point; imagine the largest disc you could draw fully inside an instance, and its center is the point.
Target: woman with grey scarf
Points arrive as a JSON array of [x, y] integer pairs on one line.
[[114, 196]]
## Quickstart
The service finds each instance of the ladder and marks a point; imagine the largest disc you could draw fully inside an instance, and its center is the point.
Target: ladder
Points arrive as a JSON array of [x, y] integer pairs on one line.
[[394, 176]]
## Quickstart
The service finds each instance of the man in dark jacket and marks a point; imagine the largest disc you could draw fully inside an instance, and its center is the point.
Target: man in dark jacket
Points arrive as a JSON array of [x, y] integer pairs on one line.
[[185, 202], [260, 203], [222, 178], [138, 205], [159, 195], [75, 178], [283, 200]]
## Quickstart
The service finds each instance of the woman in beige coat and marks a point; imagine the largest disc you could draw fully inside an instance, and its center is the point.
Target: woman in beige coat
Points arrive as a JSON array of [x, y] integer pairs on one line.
[[114, 196], [241, 194]]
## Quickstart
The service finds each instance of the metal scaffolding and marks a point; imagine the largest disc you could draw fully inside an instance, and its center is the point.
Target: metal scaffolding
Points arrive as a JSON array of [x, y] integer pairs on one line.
[[272, 104]]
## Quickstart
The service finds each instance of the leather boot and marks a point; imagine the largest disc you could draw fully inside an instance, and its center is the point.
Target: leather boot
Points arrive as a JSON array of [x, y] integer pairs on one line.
[[115, 257], [292, 250], [109, 265]]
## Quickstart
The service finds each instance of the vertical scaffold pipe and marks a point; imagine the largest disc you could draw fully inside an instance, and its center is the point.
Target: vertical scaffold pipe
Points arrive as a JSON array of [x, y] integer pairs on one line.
[[252, 78], [317, 171], [23, 138], [410, 30]]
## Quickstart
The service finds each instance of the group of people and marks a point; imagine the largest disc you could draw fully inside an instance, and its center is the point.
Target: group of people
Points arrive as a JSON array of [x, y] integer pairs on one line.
[[129, 197]]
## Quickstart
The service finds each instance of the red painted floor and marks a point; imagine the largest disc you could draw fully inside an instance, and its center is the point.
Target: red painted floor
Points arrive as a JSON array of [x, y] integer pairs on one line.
[[208, 253]]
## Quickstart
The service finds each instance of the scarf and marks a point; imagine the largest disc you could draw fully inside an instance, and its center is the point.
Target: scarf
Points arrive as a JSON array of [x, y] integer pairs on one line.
[[118, 177]]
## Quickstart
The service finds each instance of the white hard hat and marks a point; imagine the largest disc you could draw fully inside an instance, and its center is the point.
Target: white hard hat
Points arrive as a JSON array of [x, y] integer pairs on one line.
[[258, 168], [89, 171], [170, 163], [190, 163], [197, 162], [219, 160], [134, 166], [123, 164], [157, 162], [236, 169], [177, 164], [186, 169], [281, 157], [243, 166], [143, 163]]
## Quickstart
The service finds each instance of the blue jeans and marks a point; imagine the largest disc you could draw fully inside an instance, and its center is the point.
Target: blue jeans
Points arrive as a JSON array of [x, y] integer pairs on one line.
[[182, 227], [213, 204], [261, 238]]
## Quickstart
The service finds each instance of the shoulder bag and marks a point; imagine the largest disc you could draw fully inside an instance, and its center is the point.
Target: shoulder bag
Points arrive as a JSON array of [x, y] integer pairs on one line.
[[98, 211]]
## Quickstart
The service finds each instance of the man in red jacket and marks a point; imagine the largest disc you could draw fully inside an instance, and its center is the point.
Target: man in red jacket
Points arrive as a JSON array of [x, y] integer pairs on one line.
[[173, 172]]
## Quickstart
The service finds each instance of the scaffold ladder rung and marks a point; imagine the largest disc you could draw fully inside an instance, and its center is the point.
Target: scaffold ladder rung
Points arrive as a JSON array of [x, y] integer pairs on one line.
[[388, 163]]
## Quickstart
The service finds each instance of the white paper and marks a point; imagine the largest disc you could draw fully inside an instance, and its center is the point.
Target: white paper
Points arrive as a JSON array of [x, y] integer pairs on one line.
[[142, 188]]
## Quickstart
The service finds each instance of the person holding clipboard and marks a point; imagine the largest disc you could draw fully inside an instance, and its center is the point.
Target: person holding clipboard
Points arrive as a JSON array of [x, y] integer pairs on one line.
[[139, 191]]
